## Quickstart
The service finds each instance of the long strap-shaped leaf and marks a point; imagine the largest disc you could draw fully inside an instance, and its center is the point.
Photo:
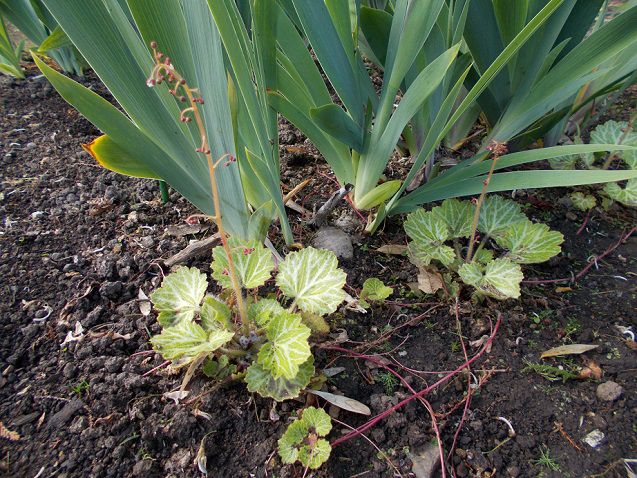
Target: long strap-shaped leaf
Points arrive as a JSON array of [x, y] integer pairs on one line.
[[113, 48], [471, 181]]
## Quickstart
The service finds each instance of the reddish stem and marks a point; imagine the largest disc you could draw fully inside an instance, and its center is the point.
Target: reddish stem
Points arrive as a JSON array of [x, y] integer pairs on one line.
[[420, 394], [588, 215]]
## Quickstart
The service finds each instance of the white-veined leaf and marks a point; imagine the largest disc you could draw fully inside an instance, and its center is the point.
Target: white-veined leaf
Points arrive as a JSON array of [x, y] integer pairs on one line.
[[626, 195], [215, 314], [457, 215], [187, 339], [253, 263], [179, 296], [312, 278], [262, 311], [424, 228], [261, 381], [583, 202], [423, 254], [501, 278], [483, 256], [290, 441], [530, 243], [497, 214], [287, 347], [613, 132]]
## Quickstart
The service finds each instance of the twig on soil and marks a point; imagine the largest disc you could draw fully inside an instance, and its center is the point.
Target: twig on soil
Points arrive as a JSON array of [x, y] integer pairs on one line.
[[593, 261], [321, 215], [559, 427], [468, 397], [156, 368], [371, 423], [193, 250]]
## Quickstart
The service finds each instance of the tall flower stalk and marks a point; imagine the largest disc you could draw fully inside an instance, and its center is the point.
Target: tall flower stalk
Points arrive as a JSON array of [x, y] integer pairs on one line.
[[164, 71]]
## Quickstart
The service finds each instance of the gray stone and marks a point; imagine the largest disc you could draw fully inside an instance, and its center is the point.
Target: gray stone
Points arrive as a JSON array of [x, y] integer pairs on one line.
[[595, 439], [425, 461], [609, 391], [335, 240]]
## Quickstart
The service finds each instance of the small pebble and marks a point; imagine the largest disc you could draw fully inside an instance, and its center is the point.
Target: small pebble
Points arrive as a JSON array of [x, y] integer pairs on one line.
[[609, 391], [594, 439]]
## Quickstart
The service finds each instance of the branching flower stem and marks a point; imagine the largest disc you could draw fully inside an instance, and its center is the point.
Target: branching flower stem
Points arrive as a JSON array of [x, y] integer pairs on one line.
[[497, 150], [179, 88]]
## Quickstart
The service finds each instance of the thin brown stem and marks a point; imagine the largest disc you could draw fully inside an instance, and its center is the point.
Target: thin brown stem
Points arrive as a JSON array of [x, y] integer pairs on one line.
[[164, 71]]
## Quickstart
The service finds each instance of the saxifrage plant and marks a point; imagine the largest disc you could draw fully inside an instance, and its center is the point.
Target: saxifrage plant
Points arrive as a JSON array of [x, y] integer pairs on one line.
[[611, 132], [439, 236], [302, 441], [252, 338]]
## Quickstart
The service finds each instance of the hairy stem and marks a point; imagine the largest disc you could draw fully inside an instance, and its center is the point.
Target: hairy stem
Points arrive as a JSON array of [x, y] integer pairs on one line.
[[497, 150]]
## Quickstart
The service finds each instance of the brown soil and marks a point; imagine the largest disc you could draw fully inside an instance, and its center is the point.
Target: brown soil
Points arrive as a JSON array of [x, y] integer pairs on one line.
[[77, 243]]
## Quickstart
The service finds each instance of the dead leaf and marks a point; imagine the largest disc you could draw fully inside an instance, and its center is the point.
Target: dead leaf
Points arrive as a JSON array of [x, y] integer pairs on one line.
[[201, 460], [74, 336], [393, 249], [345, 403], [571, 349], [198, 413], [8, 434], [480, 342], [429, 281], [177, 395], [332, 371], [40, 421], [590, 370], [144, 303], [561, 290]]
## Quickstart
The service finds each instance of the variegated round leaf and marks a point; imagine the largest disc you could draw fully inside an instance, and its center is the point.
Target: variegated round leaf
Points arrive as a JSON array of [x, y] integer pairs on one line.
[[425, 227], [261, 381], [253, 263], [180, 295], [457, 215], [497, 213], [501, 278], [530, 243], [312, 278], [287, 347], [188, 340]]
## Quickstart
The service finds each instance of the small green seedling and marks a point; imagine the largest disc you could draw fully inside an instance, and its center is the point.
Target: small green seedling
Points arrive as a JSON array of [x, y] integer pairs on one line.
[[374, 290], [80, 388], [389, 381], [303, 441], [546, 461], [502, 220], [267, 343]]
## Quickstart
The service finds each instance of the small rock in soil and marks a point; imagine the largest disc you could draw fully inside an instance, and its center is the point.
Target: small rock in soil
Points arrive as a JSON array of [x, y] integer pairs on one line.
[[335, 240], [425, 461], [609, 391], [111, 290], [143, 468], [595, 439], [64, 415]]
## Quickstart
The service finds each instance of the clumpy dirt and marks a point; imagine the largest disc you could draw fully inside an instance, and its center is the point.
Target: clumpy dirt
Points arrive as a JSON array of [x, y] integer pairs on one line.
[[77, 243]]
